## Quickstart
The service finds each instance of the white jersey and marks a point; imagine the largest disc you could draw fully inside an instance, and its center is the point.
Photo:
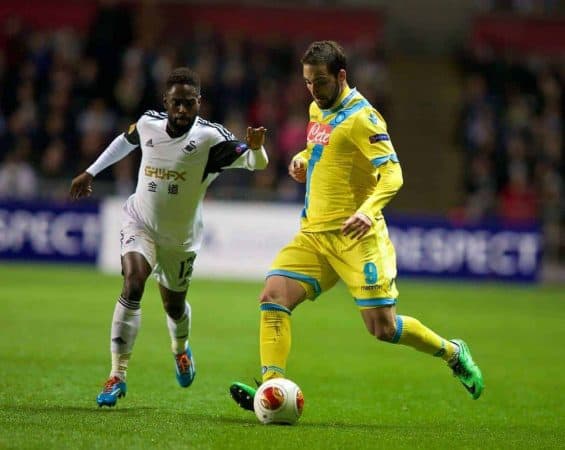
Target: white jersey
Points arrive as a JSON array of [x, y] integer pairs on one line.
[[174, 174]]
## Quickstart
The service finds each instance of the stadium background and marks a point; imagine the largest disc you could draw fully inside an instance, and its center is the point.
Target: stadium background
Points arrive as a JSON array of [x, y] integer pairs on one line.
[[473, 96], [473, 92]]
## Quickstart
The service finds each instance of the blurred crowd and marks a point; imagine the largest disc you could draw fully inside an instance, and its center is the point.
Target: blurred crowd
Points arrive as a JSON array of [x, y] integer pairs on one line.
[[511, 130], [64, 96], [525, 7]]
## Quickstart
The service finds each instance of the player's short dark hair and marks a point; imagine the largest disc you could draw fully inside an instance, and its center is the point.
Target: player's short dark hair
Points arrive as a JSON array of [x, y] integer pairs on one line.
[[183, 75], [329, 53]]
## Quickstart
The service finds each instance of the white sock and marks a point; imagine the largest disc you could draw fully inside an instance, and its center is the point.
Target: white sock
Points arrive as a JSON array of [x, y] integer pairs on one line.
[[119, 365], [125, 325], [179, 330]]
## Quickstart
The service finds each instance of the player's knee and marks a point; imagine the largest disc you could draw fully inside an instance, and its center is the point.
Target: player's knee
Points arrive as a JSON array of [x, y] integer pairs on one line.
[[282, 291], [174, 310], [275, 297], [133, 287], [384, 332], [268, 296]]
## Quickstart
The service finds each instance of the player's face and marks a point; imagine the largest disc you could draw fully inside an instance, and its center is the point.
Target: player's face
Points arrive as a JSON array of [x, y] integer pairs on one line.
[[323, 86], [182, 103]]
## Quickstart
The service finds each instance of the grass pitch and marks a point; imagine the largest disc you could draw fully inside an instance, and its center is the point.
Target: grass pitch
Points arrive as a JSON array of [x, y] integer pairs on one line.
[[360, 393]]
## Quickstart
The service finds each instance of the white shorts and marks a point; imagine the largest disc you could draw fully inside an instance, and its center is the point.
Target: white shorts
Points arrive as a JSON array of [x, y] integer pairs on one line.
[[172, 266]]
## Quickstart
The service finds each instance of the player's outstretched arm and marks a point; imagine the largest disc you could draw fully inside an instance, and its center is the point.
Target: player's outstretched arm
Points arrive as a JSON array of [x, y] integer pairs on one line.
[[81, 186], [120, 147], [256, 137]]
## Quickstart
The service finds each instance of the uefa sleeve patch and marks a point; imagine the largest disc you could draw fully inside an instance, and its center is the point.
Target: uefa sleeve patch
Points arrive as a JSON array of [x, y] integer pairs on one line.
[[378, 138], [240, 148]]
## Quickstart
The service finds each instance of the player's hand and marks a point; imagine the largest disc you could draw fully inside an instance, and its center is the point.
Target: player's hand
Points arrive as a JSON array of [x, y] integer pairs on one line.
[[297, 170], [356, 226], [81, 186], [256, 137]]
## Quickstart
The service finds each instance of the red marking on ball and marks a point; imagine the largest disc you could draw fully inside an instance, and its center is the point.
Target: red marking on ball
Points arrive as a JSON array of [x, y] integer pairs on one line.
[[272, 398], [299, 401]]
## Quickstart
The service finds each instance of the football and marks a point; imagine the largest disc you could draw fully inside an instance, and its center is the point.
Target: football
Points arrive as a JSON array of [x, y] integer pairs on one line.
[[278, 401]]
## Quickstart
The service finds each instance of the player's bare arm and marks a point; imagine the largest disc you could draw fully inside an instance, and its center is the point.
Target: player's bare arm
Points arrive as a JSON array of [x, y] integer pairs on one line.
[[81, 186], [356, 226], [256, 137], [297, 170]]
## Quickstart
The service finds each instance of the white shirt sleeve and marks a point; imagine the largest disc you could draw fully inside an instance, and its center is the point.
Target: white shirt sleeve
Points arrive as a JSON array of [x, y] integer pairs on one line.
[[257, 159], [251, 160], [118, 149]]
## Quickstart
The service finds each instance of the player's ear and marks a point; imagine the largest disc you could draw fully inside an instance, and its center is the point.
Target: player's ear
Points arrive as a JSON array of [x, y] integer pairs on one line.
[[165, 100], [342, 76]]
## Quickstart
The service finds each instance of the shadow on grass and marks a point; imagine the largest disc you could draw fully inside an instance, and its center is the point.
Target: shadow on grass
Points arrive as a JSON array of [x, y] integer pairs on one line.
[[74, 409], [250, 421], [247, 421]]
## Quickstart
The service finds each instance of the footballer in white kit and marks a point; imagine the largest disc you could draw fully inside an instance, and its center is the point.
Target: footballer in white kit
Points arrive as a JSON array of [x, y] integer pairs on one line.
[[162, 226], [163, 218]]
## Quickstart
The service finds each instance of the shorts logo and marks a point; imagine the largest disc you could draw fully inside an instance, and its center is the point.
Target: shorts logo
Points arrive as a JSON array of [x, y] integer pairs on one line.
[[318, 133], [370, 288], [378, 138], [149, 143]]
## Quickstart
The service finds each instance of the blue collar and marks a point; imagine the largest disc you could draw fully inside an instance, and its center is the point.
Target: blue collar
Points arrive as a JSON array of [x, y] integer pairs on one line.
[[344, 102]]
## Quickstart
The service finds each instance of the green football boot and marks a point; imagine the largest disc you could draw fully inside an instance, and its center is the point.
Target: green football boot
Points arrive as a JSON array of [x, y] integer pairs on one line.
[[243, 395], [467, 371]]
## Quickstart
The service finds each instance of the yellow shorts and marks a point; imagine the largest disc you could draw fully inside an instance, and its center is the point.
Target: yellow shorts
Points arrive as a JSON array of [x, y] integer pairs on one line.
[[318, 260]]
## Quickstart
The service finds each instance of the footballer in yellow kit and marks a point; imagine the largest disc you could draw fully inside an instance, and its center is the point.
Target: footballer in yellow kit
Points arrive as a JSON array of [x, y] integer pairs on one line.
[[351, 172], [348, 148]]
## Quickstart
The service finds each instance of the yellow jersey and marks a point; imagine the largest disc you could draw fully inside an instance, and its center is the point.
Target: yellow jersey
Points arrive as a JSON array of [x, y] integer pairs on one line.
[[348, 152]]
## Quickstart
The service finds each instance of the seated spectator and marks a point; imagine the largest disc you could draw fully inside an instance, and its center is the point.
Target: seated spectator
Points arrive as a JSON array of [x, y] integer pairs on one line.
[[18, 180], [518, 201]]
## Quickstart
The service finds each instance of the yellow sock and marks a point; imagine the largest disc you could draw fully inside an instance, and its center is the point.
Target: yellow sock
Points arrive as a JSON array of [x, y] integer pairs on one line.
[[274, 340], [411, 332]]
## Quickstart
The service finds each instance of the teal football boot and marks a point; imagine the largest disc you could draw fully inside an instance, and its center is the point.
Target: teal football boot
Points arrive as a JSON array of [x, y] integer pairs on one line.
[[184, 367], [114, 389]]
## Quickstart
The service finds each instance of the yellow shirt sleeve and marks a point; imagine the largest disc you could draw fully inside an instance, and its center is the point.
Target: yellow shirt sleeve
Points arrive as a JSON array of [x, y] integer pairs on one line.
[[369, 134], [389, 182], [304, 154], [371, 137]]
